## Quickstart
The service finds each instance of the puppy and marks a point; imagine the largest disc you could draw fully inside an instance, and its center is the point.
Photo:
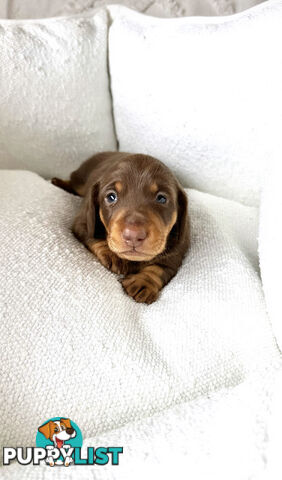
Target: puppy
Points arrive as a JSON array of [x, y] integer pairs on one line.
[[134, 218], [58, 431]]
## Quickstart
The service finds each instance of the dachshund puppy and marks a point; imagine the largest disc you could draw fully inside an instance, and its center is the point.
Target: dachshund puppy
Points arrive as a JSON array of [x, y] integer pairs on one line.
[[133, 218]]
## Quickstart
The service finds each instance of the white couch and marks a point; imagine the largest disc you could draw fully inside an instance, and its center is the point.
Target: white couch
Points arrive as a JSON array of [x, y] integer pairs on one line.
[[187, 385], [160, 8]]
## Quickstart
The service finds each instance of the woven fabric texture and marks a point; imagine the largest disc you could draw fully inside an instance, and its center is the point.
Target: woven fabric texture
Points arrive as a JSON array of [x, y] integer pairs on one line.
[[66, 321], [201, 94], [55, 106]]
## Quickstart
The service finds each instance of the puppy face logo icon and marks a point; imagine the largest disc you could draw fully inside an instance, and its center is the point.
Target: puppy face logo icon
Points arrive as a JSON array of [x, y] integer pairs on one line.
[[58, 431], [59, 436]]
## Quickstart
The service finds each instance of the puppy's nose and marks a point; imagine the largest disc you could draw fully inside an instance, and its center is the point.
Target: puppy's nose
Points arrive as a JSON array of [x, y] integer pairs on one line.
[[70, 430], [134, 236]]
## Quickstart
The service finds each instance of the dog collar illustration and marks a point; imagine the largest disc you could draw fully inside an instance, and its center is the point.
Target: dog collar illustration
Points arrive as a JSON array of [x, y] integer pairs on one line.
[[58, 431]]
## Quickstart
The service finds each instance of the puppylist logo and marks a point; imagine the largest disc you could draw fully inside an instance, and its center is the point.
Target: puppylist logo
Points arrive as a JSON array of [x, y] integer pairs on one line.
[[59, 443]]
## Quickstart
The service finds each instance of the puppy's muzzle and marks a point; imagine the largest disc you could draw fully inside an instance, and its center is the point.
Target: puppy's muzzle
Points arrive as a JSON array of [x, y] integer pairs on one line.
[[135, 231], [134, 236]]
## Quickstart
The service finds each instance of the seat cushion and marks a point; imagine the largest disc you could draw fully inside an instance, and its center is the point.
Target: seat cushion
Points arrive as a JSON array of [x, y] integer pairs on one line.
[[55, 107], [201, 94], [73, 343]]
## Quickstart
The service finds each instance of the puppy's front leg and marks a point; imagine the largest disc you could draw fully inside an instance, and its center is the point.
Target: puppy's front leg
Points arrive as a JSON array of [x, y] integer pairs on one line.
[[146, 285], [106, 257]]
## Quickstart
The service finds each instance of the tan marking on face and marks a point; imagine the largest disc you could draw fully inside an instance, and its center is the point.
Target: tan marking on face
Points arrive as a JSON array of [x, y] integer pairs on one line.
[[115, 228], [137, 257], [153, 245], [116, 244], [118, 187], [154, 187]]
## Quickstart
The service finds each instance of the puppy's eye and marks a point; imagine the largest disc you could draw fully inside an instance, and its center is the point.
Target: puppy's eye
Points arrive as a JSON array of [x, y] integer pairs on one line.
[[56, 430], [161, 198], [111, 198], [63, 427]]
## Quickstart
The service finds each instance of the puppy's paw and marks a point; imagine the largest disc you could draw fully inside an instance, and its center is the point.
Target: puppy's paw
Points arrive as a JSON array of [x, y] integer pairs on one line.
[[141, 288], [50, 461], [108, 258]]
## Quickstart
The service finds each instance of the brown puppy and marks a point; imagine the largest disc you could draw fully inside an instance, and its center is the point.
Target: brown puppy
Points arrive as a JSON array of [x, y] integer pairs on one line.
[[133, 218]]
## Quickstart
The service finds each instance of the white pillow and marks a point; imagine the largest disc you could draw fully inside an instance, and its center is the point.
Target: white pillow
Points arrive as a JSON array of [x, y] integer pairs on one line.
[[202, 94], [270, 234], [74, 344], [55, 107]]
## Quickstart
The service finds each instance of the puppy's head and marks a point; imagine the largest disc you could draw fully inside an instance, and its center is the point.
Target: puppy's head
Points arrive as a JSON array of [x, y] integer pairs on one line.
[[140, 206], [58, 431]]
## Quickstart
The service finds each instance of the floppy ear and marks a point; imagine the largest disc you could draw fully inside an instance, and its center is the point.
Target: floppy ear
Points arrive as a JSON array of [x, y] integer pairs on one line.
[[66, 422], [182, 227], [45, 429], [87, 224]]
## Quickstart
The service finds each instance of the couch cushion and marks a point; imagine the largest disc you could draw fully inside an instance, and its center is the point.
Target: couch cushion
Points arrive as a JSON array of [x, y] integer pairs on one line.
[[73, 344], [201, 94], [270, 247], [55, 107]]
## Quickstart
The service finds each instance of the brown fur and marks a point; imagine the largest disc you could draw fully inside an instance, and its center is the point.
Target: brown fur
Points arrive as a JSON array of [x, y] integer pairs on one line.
[[48, 429], [136, 179]]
